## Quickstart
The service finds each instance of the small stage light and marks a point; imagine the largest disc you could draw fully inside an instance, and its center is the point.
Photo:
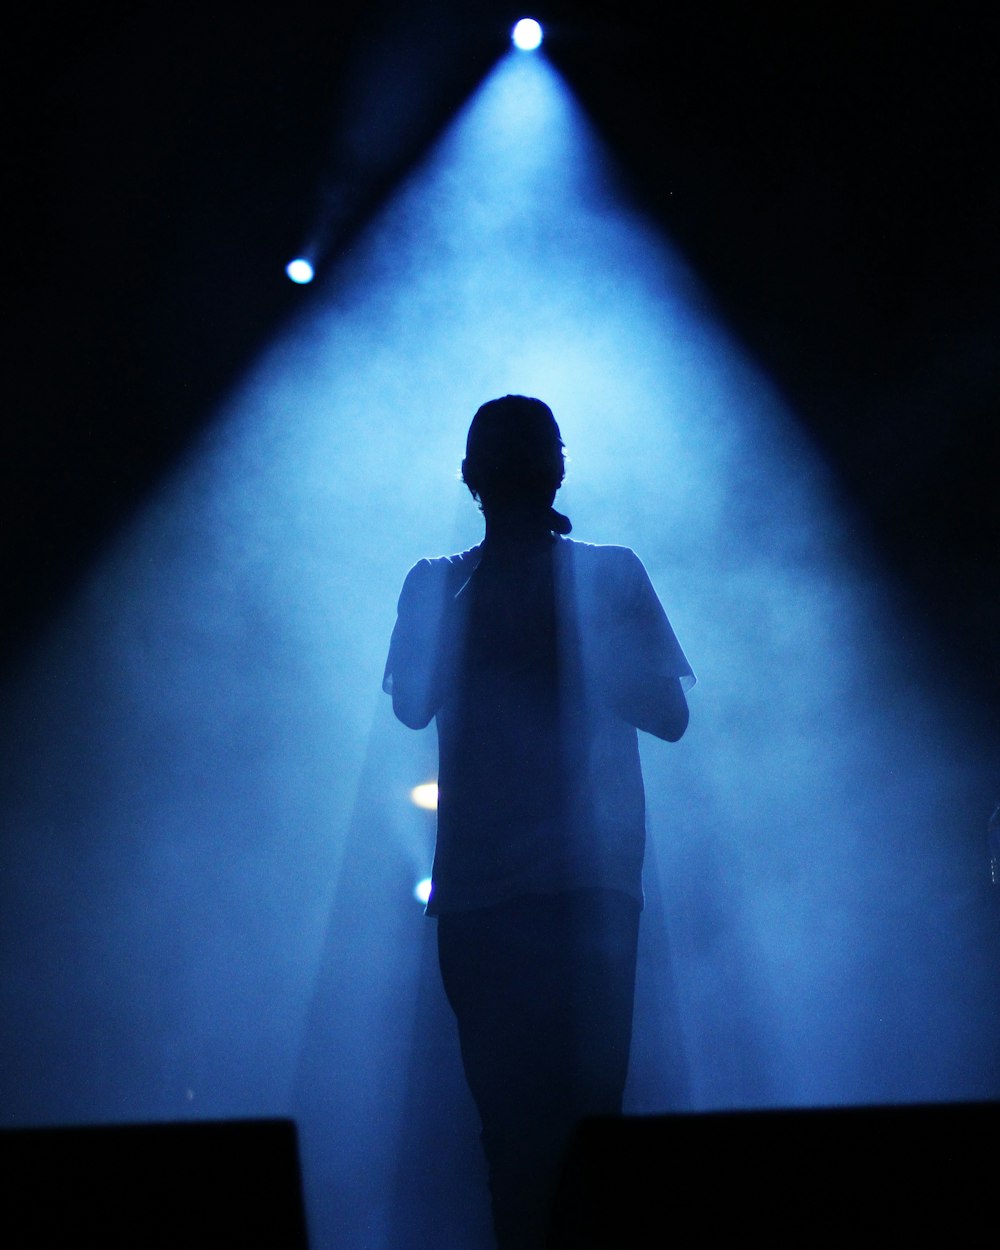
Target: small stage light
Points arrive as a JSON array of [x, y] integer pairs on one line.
[[527, 34], [422, 890], [425, 796], [299, 270]]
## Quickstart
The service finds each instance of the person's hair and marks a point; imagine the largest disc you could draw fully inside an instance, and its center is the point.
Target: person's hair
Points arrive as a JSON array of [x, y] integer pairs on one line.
[[514, 453]]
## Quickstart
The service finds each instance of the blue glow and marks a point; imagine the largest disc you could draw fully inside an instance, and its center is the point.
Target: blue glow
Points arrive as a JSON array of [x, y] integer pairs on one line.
[[211, 818], [527, 35], [300, 270], [422, 890]]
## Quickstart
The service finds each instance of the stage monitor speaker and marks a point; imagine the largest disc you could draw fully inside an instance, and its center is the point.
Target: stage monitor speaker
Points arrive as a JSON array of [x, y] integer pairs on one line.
[[845, 1176], [188, 1186]]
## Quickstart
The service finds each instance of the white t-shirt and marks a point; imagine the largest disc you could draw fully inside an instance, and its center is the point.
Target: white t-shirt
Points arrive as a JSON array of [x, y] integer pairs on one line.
[[540, 785]]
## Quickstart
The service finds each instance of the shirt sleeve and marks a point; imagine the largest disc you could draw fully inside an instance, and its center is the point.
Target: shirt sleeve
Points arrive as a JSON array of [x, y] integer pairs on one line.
[[416, 667], [403, 642], [649, 636]]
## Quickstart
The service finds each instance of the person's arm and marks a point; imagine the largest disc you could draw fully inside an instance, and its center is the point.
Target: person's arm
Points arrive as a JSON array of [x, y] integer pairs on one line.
[[646, 669], [656, 704], [423, 649]]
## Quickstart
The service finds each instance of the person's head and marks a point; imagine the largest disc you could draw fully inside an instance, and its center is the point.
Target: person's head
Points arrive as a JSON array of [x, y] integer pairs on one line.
[[514, 457]]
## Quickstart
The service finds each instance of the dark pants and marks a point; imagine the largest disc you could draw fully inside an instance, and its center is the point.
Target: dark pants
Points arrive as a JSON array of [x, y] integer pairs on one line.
[[542, 988]]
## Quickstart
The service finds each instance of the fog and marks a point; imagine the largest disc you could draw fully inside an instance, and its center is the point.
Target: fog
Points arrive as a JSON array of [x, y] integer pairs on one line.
[[209, 848]]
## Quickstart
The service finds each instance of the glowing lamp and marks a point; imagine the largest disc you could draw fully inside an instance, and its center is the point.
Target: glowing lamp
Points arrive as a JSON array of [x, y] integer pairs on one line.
[[526, 35], [299, 270], [425, 796]]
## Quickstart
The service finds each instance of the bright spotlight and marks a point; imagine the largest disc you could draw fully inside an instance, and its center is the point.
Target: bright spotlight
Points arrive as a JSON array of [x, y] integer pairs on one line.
[[527, 34], [299, 270], [422, 890], [425, 796]]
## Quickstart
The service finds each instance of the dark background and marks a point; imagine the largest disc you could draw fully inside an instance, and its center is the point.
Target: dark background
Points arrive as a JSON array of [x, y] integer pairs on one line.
[[829, 171]]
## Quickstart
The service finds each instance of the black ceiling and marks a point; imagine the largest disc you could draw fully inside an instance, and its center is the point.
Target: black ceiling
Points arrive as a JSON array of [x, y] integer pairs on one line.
[[830, 170]]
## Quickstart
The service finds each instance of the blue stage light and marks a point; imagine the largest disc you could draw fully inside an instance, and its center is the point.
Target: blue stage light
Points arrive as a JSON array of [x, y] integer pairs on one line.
[[422, 890], [300, 270], [527, 35]]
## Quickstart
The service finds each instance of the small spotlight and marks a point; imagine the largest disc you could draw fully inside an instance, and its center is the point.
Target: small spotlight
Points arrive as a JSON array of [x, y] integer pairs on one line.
[[527, 35], [422, 890], [425, 796], [299, 270]]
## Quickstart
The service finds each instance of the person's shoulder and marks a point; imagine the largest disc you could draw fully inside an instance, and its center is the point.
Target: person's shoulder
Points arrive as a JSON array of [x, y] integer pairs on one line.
[[603, 555], [442, 570], [605, 572], [442, 565]]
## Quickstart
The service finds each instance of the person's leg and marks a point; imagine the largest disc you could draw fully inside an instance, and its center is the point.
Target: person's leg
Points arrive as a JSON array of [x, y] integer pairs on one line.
[[542, 990]]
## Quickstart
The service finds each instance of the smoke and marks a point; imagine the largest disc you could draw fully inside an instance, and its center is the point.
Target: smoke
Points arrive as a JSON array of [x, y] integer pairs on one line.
[[209, 846]]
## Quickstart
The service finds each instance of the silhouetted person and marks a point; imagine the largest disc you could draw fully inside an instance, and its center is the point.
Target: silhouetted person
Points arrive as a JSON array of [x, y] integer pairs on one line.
[[538, 656]]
